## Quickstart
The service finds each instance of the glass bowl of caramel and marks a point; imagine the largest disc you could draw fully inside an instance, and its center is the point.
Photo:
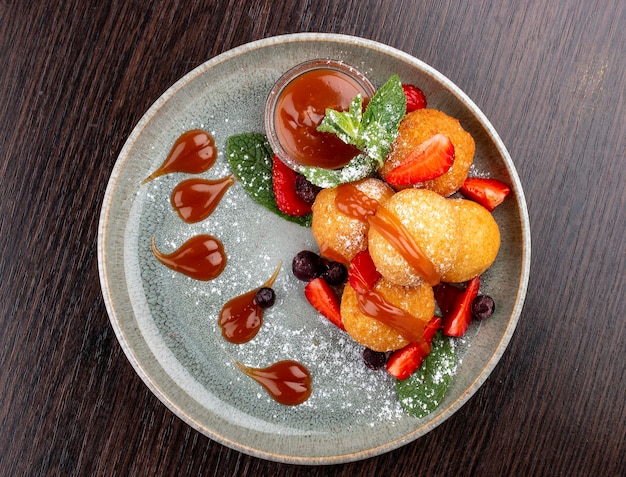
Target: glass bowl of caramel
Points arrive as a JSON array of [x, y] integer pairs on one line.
[[297, 104]]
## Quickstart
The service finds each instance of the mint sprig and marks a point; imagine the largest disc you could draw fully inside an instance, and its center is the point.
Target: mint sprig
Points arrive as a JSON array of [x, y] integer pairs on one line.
[[372, 132], [423, 391]]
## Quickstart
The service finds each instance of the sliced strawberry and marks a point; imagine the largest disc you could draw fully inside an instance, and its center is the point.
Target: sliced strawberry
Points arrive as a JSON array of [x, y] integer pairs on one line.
[[405, 361], [284, 184], [457, 320], [432, 158], [415, 98], [445, 296], [489, 193], [362, 274], [324, 299]]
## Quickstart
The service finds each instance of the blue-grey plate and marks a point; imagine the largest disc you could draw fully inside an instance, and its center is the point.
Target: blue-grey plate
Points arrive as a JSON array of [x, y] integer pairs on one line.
[[166, 322]]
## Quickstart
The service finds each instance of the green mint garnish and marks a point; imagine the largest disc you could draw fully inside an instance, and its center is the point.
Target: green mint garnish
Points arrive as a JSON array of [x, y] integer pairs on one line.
[[423, 391], [372, 132], [250, 158]]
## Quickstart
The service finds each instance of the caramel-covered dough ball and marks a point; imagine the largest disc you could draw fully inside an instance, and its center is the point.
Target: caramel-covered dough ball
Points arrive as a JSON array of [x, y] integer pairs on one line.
[[338, 236], [417, 301], [431, 221]]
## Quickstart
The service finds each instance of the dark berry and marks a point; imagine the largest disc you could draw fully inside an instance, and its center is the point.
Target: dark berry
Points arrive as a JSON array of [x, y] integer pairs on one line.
[[307, 265], [483, 307], [335, 274], [374, 359], [305, 189], [265, 297]]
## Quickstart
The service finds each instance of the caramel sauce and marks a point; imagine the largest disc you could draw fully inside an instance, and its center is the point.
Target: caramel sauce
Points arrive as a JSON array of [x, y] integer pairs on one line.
[[241, 318], [356, 204], [301, 108], [287, 382], [201, 257], [193, 152], [329, 252], [195, 199], [374, 305], [390, 227]]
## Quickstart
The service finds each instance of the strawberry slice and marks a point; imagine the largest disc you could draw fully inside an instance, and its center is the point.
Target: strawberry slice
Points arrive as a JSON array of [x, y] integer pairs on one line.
[[362, 274], [489, 193], [457, 320], [415, 98], [445, 296], [405, 361], [324, 299], [432, 158], [284, 184]]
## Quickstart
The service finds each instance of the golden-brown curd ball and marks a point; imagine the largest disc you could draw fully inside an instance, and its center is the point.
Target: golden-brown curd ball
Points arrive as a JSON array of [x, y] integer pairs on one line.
[[417, 301], [339, 236], [479, 241], [430, 219], [422, 124]]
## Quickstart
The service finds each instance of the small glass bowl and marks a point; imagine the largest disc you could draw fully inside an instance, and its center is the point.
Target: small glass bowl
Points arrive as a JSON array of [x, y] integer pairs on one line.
[[358, 79]]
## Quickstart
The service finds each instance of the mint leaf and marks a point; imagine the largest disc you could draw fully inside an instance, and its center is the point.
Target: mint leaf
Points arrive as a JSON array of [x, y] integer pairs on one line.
[[250, 158], [423, 391], [372, 132]]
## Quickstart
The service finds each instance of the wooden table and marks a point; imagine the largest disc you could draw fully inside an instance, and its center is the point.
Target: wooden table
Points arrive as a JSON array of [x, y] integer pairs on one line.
[[76, 77]]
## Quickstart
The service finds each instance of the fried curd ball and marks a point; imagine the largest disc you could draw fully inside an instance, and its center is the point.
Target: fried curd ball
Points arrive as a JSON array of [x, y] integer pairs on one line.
[[478, 244], [338, 236], [432, 222], [417, 301], [422, 124]]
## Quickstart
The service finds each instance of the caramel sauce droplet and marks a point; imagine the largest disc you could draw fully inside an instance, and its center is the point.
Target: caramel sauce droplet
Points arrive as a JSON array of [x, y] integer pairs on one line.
[[195, 199], [390, 227], [201, 257], [354, 203], [193, 152], [287, 382], [241, 317], [374, 305]]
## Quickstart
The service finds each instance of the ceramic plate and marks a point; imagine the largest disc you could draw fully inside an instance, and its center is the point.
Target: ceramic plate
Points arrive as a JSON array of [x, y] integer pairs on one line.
[[167, 323]]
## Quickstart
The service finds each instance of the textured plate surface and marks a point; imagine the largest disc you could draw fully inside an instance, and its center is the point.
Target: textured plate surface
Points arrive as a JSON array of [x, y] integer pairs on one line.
[[166, 323]]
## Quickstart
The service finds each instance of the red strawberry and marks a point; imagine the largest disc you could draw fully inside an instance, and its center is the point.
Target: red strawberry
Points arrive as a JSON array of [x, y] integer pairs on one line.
[[324, 299], [415, 98], [431, 159], [457, 320], [489, 193], [362, 273], [284, 183], [445, 296], [405, 361]]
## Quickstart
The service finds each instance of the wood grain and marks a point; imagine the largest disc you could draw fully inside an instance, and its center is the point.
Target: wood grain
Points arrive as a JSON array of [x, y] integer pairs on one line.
[[76, 77]]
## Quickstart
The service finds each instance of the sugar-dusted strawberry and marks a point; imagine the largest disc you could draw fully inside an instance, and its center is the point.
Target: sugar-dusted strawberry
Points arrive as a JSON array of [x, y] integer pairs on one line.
[[457, 320], [432, 158], [324, 299], [415, 98], [284, 185], [362, 274], [489, 193], [405, 361]]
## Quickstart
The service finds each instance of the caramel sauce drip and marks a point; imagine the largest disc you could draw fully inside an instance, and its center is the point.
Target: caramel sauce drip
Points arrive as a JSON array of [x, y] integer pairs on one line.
[[374, 305], [241, 318], [390, 227], [193, 152], [195, 199], [287, 382], [354, 203], [329, 252], [201, 257]]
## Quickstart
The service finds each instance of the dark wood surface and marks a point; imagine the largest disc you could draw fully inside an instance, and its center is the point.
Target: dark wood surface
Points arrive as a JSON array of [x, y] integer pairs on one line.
[[75, 78]]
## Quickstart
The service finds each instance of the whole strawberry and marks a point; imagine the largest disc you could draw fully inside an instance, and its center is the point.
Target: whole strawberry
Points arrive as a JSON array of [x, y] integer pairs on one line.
[[415, 98]]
